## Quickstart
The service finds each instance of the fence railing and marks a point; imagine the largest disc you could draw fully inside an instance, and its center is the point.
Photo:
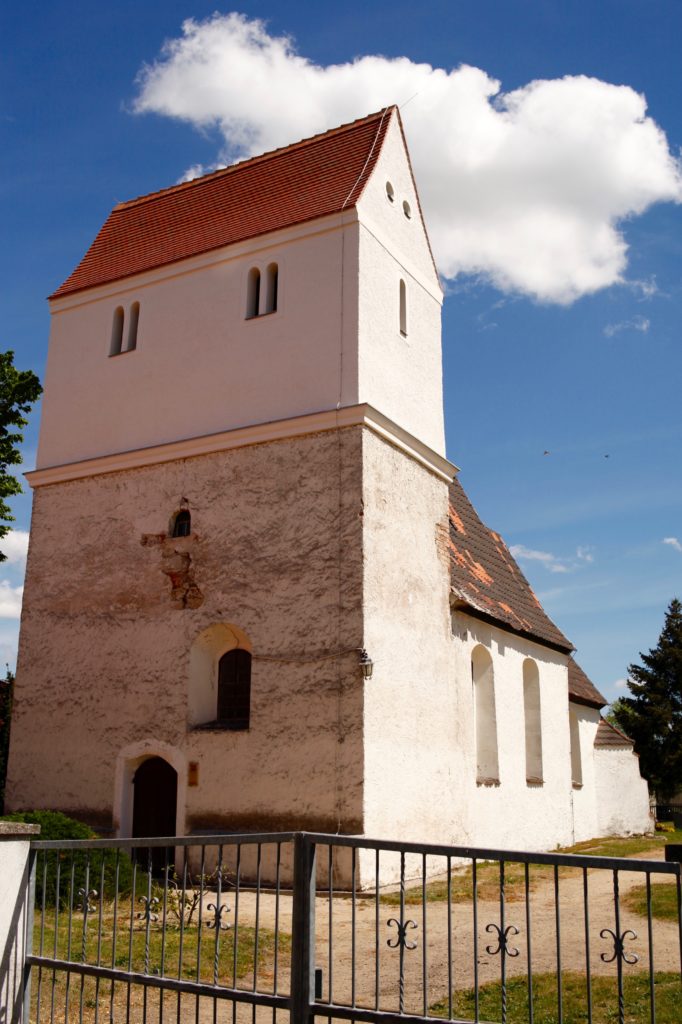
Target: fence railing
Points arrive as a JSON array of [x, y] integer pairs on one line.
[[348, 928], [668, 812]]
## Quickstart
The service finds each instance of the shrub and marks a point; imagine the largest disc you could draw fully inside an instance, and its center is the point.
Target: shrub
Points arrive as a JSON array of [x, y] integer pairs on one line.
[[57, 826]]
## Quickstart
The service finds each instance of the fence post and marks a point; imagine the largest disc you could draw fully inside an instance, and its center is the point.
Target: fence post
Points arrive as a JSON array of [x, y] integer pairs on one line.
[[17, 890], [303, 929]]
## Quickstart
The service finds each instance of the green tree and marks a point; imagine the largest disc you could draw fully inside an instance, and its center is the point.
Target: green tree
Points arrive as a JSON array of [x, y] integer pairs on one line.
[[652, 716], [19, 390]]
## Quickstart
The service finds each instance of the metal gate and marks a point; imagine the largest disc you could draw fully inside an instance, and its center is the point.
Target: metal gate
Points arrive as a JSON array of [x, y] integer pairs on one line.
[[228, 928]]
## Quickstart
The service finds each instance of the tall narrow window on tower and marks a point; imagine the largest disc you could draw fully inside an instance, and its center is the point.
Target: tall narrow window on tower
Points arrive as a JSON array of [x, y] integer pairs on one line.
[[403, 309], [271, 276], [234, 689], [253, 293], [133, 320], [116, 332]]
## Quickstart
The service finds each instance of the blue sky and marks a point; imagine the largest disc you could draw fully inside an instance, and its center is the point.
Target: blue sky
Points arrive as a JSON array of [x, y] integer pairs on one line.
[[541, 352]]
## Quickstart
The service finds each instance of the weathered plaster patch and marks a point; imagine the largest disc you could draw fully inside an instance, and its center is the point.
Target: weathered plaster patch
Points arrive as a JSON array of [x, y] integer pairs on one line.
[[176, 564]]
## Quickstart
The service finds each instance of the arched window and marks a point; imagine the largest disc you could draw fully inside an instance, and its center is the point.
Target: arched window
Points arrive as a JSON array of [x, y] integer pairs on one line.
[[234, 689], [487, 765], [133, 319], [116, 332], [403, 309], [533, 721], [271, 276], [253, 293], [576, 759], [182, 523]]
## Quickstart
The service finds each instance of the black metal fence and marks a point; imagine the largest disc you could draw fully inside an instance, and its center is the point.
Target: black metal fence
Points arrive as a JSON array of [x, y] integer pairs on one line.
[[669, 812], [229, 928]]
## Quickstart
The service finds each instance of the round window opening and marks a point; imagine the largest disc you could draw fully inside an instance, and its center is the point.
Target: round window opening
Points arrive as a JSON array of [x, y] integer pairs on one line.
[[390, 192], [407, 209]]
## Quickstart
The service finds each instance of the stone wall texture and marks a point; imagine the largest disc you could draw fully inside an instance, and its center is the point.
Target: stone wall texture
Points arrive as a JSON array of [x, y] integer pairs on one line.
[[276, 551]]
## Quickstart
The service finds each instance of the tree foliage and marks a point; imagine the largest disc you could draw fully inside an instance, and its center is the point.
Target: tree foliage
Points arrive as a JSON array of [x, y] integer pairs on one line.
[[19, 390], [62, 873], [652, 715]]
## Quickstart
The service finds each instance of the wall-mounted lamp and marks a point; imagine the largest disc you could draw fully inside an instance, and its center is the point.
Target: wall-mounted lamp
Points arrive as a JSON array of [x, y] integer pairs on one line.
[[366, 664]]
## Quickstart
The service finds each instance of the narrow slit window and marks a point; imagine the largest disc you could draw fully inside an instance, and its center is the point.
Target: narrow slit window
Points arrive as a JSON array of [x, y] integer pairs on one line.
[[234, 689], [533, 721], [271, 282], [253, 293], [133, 320], [116, 332], [403, 309], [182, 524], [487, 763], [576, 758]]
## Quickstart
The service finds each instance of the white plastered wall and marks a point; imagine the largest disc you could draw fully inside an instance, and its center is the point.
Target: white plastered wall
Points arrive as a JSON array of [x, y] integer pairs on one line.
[[622, 793], [584, 795], [401, 376], [410, 761], [513, 814], [200, 365]]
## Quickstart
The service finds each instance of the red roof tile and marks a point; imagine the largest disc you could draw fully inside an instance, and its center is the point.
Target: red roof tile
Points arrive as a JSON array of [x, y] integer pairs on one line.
[[313, 178], [609, 736], [486, 580], [582, 690]]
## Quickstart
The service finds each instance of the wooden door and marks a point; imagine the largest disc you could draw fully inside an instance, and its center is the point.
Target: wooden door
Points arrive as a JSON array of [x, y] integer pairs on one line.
[[154, 805]]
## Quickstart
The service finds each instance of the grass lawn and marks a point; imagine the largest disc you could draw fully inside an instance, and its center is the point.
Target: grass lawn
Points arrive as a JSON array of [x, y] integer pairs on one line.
[[488, 873], [159, 952], [462, 886], [663, 900], [628, 846], [545, 1000]]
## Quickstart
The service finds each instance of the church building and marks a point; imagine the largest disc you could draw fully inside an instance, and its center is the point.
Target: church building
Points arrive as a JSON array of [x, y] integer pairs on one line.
[[257, 596]]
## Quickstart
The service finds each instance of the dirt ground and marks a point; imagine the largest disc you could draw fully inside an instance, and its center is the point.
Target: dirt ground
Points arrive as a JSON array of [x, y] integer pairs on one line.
[[444, 952], [430, 972]]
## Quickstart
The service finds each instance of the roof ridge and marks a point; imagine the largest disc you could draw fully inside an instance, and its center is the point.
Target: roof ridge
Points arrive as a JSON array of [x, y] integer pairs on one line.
[[249, 161]]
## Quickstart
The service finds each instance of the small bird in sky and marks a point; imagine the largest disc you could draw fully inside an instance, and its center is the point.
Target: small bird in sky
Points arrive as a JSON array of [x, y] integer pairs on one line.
[[545, 452]]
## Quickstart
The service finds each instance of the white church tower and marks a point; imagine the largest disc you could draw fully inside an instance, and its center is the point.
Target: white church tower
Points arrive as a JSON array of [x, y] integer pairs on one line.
[[257, 598], [241, 485]]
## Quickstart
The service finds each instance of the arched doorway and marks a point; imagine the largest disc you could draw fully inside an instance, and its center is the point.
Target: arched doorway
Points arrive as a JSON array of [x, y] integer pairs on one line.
[[155, 802]]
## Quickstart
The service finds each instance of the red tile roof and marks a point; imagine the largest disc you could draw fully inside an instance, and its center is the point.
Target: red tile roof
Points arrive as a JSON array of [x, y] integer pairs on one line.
[[609, 736], [581, 689], [313, 178], [487, 582]]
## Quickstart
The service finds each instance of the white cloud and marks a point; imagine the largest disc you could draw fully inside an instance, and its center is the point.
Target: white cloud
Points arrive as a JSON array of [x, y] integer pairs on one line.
[[645, 289], [14, 547], [197, 170], [674, 543], [552, 562], [619, 684], [10, 600], [548, 560], [638, 323], [525, 188]]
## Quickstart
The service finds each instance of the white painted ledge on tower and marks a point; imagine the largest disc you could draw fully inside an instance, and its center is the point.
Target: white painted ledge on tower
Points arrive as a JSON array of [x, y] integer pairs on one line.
[[259, 433]]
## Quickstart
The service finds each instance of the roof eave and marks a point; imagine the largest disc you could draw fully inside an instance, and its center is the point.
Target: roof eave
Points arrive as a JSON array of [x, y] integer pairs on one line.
[[469, 609]]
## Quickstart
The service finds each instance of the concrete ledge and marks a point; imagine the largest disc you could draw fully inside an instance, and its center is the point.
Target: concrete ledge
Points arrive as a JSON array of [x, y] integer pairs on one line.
[[18, 830]]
